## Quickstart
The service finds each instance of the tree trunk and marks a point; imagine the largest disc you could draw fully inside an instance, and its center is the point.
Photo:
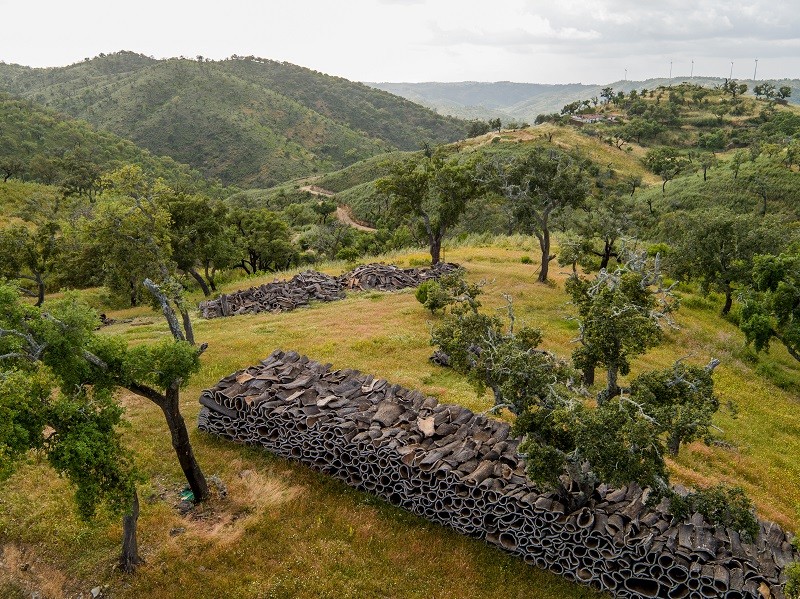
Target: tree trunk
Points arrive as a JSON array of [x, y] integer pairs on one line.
[[544, 244], [792, 351], [588, 375], [607, 251], [436, 248], [728, 299], [200, 281], [210, 278], [673, 445], [612, 388], [182, 445], [40, 290], [130, 548], [169, 313], [187, 325], [134, 299], [704, 173]]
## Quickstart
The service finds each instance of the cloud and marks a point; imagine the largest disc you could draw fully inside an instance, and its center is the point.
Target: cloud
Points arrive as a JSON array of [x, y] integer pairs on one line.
[[446, 40], [612, 34]]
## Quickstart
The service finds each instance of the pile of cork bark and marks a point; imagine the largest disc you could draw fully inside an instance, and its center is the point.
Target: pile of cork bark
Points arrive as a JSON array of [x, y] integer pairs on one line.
[[385, 277], [461, 469], [282, 296]]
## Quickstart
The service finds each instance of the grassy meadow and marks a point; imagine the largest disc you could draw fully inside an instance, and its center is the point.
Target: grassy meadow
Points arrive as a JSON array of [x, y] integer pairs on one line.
[[286, 531]]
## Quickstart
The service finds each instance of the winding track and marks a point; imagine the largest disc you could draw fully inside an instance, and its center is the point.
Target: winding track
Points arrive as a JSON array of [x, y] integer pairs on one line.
[[343, 212]]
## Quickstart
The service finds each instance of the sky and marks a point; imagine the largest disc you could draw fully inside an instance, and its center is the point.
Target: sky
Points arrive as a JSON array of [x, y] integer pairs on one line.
[[552, 41]]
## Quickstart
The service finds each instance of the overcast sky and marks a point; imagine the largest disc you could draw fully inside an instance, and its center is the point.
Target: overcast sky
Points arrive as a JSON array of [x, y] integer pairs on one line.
[[549, 41]]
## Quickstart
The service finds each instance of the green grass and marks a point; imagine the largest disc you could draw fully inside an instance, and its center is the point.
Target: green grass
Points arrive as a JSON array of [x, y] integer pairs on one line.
[[286, 531]]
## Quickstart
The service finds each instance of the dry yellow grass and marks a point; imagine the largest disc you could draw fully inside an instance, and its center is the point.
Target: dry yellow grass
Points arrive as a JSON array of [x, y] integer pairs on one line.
[[570, 139]]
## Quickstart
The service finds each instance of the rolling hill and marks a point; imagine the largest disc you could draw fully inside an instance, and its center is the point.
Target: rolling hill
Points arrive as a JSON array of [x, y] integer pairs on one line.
[[40, 144], [524, 101], [247, 121]]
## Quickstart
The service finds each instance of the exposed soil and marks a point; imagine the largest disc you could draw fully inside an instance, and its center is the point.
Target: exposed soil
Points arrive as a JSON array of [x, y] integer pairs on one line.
[[343, 212], [317, 191], [21, 567], [343, 215]]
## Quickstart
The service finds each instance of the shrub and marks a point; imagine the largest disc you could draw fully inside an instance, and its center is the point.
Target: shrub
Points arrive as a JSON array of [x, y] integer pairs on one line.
[[721, 505], [448, 290], [792, 588], [526, 260], [349, 254], [433, 296]]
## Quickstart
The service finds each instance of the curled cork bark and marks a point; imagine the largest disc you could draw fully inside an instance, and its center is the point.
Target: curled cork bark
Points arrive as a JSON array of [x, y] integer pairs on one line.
[[283, 296], [461, 469]]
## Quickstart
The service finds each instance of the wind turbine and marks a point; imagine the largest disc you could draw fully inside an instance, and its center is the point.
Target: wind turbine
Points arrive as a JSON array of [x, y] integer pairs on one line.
[[755, 70]]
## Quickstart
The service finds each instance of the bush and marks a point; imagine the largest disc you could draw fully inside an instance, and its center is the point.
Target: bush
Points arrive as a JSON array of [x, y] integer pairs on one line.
[[526, 260], [433, 296], [348, 254], [792, 588], [449, 289], [721, 505]]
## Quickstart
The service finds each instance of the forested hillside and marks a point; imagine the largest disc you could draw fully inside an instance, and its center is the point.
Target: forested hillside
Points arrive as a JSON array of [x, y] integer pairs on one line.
[[39, 144], [706, 147], [246, 121]]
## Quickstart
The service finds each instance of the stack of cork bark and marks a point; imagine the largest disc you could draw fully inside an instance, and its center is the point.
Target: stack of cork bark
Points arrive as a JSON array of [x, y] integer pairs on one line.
[[279, 296], [462, 470], [282, 296], [385, 277]]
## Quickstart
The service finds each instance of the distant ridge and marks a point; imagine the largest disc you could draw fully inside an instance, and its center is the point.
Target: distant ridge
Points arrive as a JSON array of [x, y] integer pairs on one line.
[[249, 121], [524, 101]]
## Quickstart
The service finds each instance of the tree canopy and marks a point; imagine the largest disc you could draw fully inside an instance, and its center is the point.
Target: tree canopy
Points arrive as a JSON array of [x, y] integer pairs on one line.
[[433, 191], [772, 310], [717, 248], [620, 316], [538, 185]]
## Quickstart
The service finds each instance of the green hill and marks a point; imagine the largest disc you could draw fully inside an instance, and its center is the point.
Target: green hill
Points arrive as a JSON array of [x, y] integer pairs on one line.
[[703, 126], [248, 121], [42, 145]]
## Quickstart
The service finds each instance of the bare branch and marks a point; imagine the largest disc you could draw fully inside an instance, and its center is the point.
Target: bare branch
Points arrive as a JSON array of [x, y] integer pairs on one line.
[[34, 348], [12, 355], [93, 359], [169, 313]]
